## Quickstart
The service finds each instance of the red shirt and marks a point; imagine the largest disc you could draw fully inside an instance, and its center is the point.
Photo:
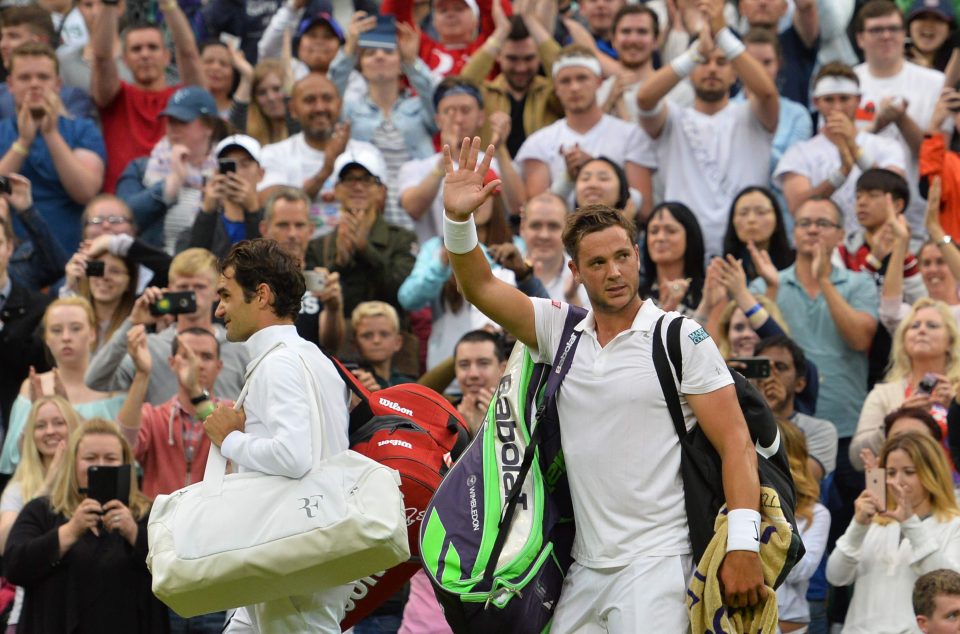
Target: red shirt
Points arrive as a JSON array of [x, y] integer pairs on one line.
[[132, 125], [445, 61], [160, 448]]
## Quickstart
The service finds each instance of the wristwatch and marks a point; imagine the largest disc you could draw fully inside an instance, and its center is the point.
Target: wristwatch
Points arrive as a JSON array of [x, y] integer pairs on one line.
[[946, 239], [204, 396]]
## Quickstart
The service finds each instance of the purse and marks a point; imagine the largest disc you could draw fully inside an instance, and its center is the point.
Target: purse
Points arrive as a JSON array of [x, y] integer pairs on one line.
[[245, 538]]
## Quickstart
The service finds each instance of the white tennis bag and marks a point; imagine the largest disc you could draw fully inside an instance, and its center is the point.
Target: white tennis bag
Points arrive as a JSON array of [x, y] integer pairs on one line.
[[246, 538]]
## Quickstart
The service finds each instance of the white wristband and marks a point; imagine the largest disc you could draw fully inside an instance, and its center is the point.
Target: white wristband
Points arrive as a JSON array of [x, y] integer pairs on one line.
[[729, 43], [684, 63], [652, 112], [743, 530], [459, 237], [837, 178]]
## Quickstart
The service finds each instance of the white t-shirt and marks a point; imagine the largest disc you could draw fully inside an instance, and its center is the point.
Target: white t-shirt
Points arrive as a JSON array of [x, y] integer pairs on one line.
[[619, 141], [291, 162], [623, 456], [412, 174], [706, 160], [818, 158], [920, 87]]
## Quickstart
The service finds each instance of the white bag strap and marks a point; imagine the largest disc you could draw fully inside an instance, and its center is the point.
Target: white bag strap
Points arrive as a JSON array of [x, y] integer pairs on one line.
[[216, 467]]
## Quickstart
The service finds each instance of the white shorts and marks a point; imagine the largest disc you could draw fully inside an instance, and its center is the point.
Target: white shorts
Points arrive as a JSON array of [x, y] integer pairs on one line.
[[317, 614], [646, 595]]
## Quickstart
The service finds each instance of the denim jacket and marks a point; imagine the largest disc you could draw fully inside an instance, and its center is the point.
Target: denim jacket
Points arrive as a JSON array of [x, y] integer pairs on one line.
[[411, 114], [424, 284]]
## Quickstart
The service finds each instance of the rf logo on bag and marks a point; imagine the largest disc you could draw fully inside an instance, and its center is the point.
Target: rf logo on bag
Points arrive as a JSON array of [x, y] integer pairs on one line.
[[310, 504]]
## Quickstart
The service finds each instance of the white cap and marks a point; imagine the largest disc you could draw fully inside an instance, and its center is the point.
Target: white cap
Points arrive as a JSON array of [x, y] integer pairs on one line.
[[474, 7], [246, 143], [366, 156]]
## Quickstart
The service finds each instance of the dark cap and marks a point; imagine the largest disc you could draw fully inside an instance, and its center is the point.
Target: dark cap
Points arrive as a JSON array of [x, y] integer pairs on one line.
[[942, 9], [321, 17], [190, 102]]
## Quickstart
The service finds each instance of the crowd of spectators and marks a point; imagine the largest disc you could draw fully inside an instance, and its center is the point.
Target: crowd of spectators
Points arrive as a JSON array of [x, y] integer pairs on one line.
[[792, 166]]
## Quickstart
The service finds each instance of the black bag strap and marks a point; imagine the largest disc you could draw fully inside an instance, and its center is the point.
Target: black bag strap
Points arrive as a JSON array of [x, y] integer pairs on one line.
[[569, 338], [665, 376]]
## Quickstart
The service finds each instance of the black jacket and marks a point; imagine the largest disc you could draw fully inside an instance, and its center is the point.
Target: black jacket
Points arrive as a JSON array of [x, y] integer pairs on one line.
[[101, 585], [20, 344]]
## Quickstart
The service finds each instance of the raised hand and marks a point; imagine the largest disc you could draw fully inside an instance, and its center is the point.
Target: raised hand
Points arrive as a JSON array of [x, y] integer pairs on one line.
[[463, 188], [499, 123], [408, 42], [934, 228], [337, 143], [763, 265], [21, 193], [137, 349], [187, 368]]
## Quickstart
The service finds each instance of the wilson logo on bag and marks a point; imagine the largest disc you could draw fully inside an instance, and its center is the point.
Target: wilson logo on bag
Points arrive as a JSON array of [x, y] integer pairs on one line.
[[417, 432]]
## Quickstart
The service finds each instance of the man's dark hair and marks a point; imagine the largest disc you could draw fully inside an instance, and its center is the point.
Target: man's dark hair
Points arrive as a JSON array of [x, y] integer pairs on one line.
[[137, 25], [887, 181], [637, 9], [590, 219], [518, 29], [931, 585], [760, 35], [262, 261], [200, 332], [919, 413], [480, 336], [35, 18], [457, 84], [788, 344], [836, 69], [875, 9]]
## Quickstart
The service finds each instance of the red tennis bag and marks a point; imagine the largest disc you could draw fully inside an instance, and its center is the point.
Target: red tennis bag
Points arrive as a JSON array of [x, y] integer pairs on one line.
[[418, 432]]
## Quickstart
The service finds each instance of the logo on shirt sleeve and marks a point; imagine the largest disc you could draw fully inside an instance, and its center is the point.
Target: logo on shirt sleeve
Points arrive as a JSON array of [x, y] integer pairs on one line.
[[555, 303], [698, 335]]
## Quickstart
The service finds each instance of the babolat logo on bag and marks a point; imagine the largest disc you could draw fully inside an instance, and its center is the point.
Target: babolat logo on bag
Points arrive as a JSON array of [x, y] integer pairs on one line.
[[396, 407], [510, 455]]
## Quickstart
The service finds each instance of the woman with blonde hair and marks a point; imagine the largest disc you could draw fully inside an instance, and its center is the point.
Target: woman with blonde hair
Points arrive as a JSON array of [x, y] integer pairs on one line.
[[885, 550], [926, 352], [99, 581], [70, 333], [813, 522], [49, 425]]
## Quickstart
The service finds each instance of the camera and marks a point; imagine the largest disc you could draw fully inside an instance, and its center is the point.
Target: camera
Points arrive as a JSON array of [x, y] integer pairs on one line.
[[95, 268], [175, 303]]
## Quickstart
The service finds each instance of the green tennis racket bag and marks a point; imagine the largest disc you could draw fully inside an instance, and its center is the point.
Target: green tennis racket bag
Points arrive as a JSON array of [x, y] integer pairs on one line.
[[496, 538]]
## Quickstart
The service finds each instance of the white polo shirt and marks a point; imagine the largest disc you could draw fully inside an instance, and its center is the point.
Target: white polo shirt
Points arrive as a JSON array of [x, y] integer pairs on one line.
[[621, 450]]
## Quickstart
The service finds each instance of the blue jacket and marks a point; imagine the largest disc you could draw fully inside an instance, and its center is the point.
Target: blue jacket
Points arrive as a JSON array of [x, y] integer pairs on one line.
[[411, 114]]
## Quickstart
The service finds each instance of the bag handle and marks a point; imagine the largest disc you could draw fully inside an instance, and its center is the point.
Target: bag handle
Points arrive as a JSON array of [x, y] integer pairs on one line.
[[215, 470], [569, 338], [665, 376]]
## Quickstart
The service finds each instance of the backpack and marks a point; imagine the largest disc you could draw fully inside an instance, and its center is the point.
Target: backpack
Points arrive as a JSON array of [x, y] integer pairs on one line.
[[412, 429], [700, 465], [497, 536]]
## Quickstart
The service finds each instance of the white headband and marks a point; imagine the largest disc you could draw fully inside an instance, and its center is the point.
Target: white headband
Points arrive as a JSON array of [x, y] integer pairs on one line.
[[590, 63], [834, 85]]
